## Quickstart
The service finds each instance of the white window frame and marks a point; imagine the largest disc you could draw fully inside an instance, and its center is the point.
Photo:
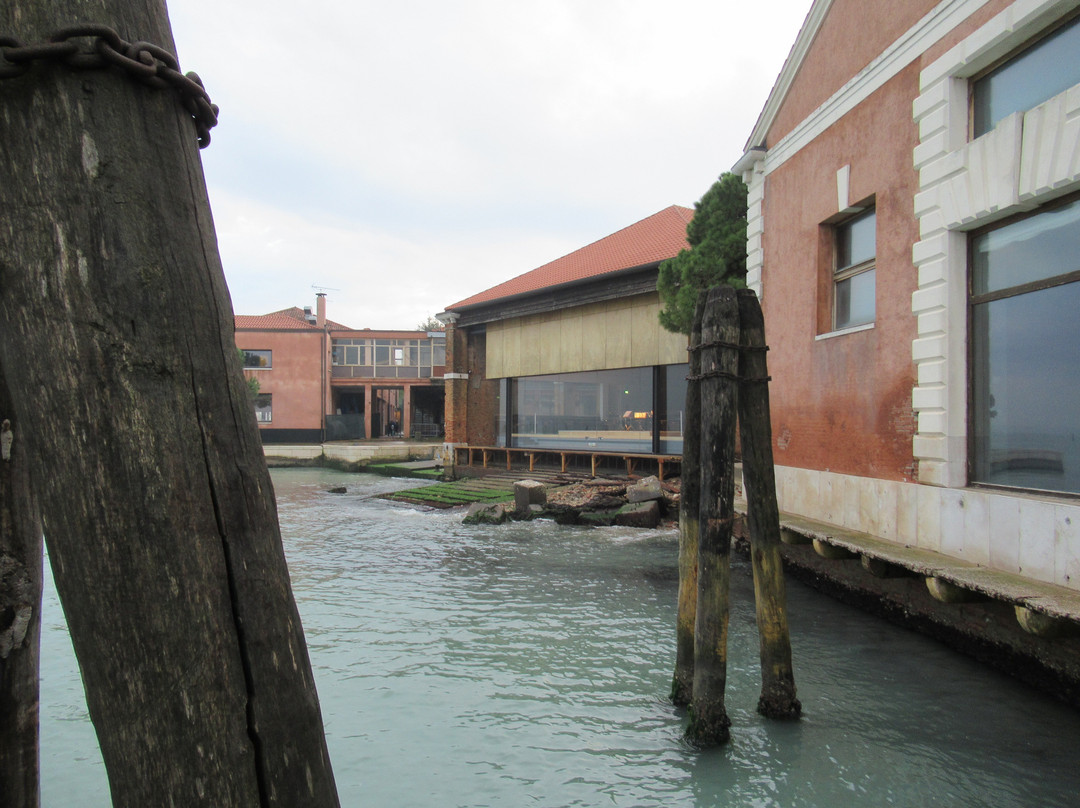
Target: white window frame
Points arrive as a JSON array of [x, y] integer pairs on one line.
[[963, 185]]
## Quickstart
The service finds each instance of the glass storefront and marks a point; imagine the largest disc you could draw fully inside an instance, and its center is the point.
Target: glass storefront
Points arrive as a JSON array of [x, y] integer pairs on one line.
[[637, 410]]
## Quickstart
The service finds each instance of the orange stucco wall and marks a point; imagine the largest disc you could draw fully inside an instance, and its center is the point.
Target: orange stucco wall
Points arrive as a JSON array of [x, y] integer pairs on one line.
[[844, 403], [295, 380]]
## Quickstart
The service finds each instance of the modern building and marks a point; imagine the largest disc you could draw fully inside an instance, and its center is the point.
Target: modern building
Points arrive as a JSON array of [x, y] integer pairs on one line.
[[914, 236], [571, 355], [322, 381]]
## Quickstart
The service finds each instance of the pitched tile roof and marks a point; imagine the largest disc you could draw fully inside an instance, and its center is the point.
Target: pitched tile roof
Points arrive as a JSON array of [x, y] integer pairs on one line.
[[650, 241], [292, 319]]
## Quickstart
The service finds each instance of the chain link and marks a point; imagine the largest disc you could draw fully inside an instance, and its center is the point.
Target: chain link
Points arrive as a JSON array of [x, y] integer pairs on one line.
[[144, 61]]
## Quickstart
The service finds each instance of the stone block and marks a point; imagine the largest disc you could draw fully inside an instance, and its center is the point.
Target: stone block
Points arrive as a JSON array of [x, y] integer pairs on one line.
[[639, 514], [645, 490], [480, 513], [528, 492]]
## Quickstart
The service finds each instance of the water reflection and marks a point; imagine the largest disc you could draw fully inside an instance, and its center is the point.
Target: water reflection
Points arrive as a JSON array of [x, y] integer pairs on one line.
[[529, 664]]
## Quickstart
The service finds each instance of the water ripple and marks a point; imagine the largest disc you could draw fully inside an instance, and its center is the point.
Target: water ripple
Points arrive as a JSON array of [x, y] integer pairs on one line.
[[529, 665]]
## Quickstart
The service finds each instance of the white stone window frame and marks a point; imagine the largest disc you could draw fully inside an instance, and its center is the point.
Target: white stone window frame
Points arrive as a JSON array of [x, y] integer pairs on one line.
[[1030, 158]]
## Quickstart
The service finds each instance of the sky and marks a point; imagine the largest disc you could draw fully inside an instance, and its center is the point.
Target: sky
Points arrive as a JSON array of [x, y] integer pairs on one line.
[[402, 156]]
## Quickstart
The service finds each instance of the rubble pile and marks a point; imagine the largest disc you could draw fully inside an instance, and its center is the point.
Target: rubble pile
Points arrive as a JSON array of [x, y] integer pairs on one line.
[[642, 503]]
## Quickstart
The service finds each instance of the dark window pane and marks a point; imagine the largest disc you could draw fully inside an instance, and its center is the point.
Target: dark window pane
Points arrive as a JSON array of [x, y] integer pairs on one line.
[[263, 408], [1025, 421], [352, 355], [1044, 70], [673, 418], [1028, 250], [257, 359]]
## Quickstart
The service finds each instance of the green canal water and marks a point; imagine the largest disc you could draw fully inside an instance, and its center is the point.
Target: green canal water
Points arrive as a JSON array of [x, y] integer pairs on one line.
[[528, 665]]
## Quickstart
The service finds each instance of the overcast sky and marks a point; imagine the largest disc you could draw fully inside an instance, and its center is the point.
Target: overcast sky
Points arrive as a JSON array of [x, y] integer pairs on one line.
[[406, 155]]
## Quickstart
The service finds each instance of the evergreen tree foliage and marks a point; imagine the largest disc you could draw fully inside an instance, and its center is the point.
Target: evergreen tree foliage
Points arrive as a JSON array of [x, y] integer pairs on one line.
[[717, 253], [430, 323]]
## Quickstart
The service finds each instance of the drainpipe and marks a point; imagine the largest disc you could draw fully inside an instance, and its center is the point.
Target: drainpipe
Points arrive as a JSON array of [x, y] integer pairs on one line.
[[320, 322]]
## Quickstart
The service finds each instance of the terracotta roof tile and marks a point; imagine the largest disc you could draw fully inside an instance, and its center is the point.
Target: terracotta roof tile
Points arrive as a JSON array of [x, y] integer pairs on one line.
[[292, 319], [650, 241]]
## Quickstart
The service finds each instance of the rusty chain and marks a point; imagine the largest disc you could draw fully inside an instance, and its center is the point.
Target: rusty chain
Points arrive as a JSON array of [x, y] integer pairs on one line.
[[144, 61]]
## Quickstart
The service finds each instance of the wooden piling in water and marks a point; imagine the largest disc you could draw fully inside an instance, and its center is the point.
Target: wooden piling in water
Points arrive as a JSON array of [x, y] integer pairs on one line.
[[778, 699], [682, 684], [120, 363], [20, 615], [709, 722]]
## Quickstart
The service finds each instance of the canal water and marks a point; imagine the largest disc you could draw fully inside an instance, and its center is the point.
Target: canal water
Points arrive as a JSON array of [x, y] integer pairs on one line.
[[529, 665]]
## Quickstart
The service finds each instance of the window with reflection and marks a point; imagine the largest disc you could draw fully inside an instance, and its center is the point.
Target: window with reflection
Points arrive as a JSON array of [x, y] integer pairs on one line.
[[673, 412], [1025, 346], [853, 279], [264, 410], [1042, 70], [607, 410], [257, 360]]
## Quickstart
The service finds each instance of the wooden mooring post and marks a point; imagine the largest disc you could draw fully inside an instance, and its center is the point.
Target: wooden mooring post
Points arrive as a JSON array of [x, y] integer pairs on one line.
[[732, 379], [20, 615], [762, 514], [127, 396], [682, 683], [718, 389]]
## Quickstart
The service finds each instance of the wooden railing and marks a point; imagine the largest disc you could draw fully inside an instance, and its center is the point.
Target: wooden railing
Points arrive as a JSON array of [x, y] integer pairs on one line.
[[486, 454]]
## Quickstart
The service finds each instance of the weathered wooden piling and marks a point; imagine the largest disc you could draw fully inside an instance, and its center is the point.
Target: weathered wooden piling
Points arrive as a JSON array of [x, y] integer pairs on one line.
[[778, 698], [709, 722], [20, 615], [146, 462], [682, 683]]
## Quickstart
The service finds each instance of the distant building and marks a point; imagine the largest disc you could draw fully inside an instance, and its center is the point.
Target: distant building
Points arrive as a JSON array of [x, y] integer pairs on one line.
[[323, 381], [571, 355], [914, 233]]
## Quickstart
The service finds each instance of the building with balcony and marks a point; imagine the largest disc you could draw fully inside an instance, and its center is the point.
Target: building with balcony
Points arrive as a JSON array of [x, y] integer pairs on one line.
[[320, 381]]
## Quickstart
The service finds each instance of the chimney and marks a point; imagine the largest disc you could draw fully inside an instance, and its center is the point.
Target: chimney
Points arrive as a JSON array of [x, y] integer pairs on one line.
[[320, 304], [308, 316]]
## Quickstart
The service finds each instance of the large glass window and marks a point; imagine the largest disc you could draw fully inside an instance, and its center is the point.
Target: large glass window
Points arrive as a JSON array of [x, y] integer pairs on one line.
[[607, 410], [673, 412], [856, 252], [1043, 70], [1025, 349]]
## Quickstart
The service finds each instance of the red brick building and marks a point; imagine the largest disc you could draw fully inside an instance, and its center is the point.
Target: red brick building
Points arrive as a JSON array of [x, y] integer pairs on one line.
[[913, 233], [323, 381]]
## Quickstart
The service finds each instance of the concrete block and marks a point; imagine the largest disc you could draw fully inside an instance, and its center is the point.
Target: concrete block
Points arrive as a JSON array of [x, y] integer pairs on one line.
[[639, 514], [645, 490], [528, 492]]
